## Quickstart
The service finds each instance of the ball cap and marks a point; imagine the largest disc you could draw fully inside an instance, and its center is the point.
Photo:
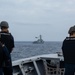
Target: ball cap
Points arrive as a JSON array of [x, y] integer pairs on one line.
[[4, 24], [72, 29]]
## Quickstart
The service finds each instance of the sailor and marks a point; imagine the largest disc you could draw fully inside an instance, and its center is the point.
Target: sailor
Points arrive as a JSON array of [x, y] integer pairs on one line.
[[4, 57], [68, 49], [1, 60], [8, 40]]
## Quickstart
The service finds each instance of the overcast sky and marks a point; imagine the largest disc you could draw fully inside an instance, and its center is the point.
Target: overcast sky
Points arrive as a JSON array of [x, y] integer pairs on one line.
[[30, 18]]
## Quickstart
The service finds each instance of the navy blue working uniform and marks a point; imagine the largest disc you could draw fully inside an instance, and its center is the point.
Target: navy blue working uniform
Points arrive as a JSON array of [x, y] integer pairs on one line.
[[68, 49], [1, 60], [8, 40], [4, 58]]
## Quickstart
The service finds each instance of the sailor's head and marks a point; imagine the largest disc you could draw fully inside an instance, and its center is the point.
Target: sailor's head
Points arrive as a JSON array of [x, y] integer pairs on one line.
[[71, 30], [4, 24]]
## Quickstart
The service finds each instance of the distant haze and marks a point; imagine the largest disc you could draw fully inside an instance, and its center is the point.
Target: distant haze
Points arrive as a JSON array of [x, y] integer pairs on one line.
[[30, 18]]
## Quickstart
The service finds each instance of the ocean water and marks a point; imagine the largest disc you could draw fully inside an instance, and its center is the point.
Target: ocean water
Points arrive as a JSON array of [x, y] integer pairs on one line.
[[28, 49]]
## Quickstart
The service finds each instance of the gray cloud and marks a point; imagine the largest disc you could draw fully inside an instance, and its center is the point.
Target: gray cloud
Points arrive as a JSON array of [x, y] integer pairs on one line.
[[38, 14]]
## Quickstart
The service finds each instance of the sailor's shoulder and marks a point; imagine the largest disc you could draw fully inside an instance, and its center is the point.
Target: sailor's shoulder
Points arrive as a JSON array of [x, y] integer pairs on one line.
[[70, 38], [4, 33]]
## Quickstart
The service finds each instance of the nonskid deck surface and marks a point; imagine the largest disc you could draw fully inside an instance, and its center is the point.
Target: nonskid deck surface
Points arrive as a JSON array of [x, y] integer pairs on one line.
[[39, 65]]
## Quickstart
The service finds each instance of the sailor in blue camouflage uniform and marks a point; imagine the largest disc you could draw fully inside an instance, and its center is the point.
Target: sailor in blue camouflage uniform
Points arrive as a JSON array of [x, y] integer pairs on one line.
[[8, 40], [1, 59], [4, 58], [68, 49]]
